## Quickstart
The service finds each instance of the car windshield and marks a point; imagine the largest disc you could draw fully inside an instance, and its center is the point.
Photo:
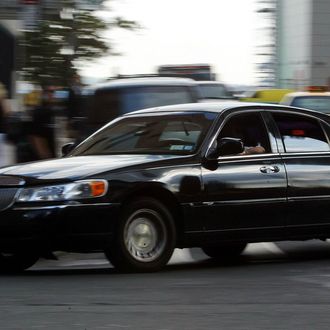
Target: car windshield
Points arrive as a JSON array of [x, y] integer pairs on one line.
[[214, 91], [318, 103], [179, 134]]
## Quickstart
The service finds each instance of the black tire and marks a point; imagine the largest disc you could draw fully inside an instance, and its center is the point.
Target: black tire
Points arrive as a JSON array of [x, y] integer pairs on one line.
[[145, 237], [224, 252], [17, 261]]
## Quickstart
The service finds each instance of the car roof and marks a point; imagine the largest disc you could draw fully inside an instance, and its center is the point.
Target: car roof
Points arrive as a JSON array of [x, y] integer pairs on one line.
[[221, 106], [150, 81], [190, 107]]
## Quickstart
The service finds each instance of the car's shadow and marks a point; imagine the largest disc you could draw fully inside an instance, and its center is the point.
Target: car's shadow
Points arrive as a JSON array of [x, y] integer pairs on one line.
[[290, 252]]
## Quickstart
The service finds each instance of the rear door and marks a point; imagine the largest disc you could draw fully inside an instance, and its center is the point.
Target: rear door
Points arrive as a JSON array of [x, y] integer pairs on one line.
[[306, 156]]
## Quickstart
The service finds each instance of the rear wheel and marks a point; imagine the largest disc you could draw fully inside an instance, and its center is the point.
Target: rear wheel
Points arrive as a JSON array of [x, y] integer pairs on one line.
[[17, 261], [224, 251], [145, 237]]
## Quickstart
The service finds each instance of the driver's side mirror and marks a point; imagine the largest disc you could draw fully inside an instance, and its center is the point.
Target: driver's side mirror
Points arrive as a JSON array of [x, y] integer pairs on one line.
[[67, 148], [225, 147]]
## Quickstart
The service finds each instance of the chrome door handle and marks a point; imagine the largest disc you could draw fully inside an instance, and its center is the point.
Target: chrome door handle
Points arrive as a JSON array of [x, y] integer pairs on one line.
[[269, 169]]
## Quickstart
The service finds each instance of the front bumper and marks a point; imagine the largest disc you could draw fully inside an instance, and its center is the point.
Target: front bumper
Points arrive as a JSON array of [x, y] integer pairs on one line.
[[76, 227]]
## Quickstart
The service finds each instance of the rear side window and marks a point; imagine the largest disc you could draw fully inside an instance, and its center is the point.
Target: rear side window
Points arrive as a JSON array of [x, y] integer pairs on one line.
[[301, 133]]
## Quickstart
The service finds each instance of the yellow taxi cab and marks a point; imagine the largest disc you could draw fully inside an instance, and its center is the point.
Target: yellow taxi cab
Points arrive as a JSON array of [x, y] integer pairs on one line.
[[314, 98], [266, 95]]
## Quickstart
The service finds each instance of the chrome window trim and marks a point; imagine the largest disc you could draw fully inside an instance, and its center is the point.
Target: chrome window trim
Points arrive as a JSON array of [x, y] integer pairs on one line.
[[250, 157], [305, 154]]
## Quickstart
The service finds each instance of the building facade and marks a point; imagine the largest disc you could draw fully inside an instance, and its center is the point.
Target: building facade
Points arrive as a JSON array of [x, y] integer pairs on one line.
[[266, 43], [303, 43]]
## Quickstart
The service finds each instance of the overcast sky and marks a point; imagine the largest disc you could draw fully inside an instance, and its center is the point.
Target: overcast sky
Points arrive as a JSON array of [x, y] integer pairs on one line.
[[223, 33]]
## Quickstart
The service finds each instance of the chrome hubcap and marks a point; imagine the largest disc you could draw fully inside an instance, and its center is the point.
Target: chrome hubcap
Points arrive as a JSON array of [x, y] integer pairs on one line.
[[145, 235]]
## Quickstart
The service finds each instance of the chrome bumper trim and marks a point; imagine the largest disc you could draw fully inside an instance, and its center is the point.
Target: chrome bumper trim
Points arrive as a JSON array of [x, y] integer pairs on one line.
[[51, 207]]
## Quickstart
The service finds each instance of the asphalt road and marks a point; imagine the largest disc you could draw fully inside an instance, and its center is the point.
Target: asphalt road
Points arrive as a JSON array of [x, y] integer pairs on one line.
[[273, 286]]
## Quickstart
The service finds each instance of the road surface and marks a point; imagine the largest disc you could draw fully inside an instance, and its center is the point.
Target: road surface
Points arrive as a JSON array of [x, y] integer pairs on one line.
[[273, 286]]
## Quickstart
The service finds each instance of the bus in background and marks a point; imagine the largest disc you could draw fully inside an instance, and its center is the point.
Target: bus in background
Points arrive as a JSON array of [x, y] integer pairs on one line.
[[192, 71]]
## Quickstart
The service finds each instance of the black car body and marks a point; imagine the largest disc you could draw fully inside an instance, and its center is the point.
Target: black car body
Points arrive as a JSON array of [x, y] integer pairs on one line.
[[174, 176]]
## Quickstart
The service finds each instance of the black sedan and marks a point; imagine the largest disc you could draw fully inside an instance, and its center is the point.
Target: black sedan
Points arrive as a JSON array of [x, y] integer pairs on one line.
[[215, 176]]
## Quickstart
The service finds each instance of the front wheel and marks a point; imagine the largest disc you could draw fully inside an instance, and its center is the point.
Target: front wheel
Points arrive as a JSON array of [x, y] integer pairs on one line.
[[16, 261], [225, 251], [145, 237]]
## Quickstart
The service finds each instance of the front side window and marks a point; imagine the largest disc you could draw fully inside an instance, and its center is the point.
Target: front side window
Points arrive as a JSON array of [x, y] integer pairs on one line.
[[301, 133], [179, 134], [250, 129]]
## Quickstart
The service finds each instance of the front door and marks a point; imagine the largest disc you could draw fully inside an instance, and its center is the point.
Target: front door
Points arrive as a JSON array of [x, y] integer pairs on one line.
[[244, 197]]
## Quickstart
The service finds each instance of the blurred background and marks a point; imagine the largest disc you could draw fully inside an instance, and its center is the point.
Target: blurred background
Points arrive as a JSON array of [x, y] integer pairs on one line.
[[53, 53]]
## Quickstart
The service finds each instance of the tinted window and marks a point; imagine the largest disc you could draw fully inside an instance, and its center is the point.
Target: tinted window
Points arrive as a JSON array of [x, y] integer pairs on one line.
[[109, 104], [250, 128], [104, 106], [213, 91], [318, 103], [300, 133], [162, 134], [153, 96]]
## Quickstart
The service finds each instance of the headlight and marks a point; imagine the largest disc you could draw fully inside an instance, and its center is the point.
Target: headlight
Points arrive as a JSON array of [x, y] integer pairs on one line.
[[63, 192]]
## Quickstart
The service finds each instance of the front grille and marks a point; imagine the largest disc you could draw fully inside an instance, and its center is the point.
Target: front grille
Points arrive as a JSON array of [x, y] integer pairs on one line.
[[7, 196], [7, 180]]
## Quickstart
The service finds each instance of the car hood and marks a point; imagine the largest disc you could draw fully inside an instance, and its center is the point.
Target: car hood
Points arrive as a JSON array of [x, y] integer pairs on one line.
[[79, 167]]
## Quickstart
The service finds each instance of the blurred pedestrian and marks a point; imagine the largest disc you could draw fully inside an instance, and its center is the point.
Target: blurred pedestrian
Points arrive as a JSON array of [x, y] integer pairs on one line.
[[40, 129], [4, 113], [75, 112]]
